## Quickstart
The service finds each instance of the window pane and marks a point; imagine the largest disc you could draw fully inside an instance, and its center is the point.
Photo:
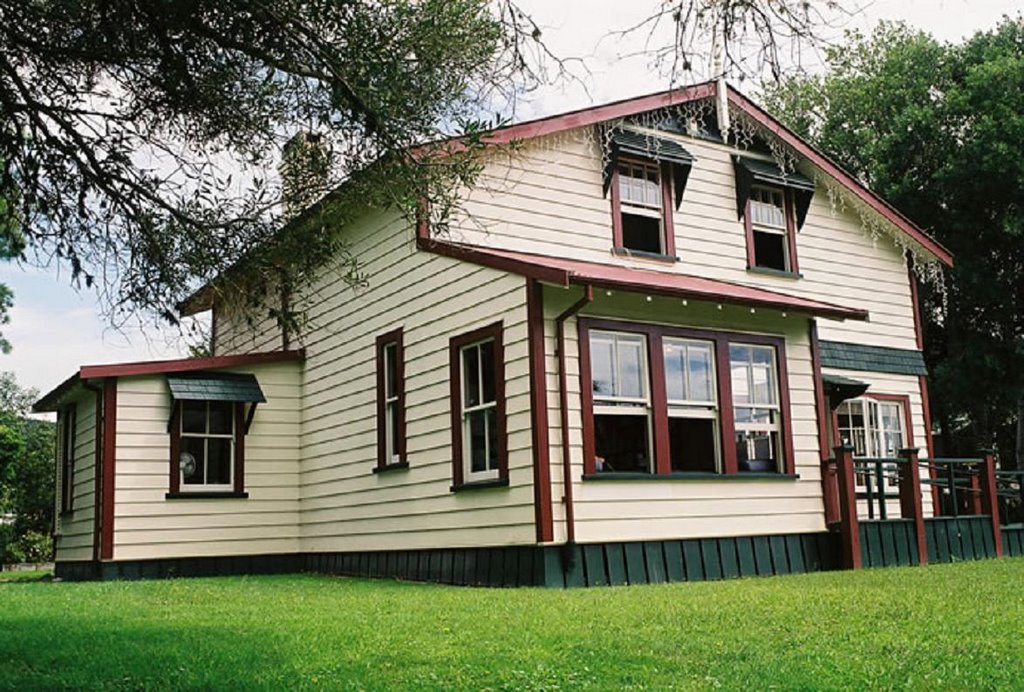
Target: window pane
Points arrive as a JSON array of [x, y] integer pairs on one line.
[[477, 439], [471, 376], [692, 444], [675, 371], [218, 461], [757, 451], [193, 416], [391, 421], [492, 438], [739, 358], [487, 369], [621, 443], [602, 361], [757, 416], [639, 184], [641, 233], [194, 473], [221, 414], [699, 362], [631, 370], [770, 251], [390, 370]]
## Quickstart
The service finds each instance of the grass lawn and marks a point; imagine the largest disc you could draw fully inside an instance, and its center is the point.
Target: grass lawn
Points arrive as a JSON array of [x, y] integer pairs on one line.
[[945, 626]]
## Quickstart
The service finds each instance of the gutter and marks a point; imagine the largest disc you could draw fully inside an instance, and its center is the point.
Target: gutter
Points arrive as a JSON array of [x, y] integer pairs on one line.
[[568, 554]]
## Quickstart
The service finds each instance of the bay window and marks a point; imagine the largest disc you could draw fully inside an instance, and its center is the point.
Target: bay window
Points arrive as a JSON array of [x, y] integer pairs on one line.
[[663, 400], [876, 428]]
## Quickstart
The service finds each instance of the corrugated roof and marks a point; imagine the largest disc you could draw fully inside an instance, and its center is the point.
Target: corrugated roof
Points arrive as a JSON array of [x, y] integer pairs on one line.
[[215, 386], [897, 361]]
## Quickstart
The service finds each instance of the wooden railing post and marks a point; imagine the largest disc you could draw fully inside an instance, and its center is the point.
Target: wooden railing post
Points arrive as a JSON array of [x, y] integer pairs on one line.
[[911, 506], [830, 491], [849, 529], [990, 498], [975, 503]]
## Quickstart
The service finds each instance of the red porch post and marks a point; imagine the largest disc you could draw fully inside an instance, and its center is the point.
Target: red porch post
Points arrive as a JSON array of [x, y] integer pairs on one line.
[[911, 506], [990, 500], [849, 529]]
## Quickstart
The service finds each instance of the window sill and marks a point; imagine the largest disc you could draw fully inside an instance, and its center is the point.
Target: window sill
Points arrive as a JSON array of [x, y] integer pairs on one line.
[[774, 272], [480, 485], [691, 476], [213, 495], [640, 254], [397, 466]]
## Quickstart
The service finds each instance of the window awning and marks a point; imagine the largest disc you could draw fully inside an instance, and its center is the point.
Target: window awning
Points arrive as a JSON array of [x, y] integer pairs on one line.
[[216, 386], [895, 361], [839, 388], [632, 143], [752, 171]]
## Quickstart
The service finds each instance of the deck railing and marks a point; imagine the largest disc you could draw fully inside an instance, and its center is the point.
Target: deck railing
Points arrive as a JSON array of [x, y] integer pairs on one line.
[[960, 486]]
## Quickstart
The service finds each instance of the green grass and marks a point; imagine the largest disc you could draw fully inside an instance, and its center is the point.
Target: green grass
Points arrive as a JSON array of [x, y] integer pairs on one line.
[[945, 626], [23, 576]]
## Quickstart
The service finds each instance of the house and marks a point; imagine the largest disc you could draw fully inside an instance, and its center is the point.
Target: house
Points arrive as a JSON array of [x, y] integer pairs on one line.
[[630, 360]]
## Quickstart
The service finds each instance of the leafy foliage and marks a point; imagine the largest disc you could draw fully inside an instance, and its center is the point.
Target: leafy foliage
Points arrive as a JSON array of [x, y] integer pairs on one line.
[[26, 477], [138, 134], [938, 130]]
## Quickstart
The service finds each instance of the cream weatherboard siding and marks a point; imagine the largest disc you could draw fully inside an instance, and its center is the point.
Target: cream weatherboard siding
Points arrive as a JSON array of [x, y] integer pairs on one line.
[[652, 510], [547, 198], [344, 505], [147, 525], [75, 529]]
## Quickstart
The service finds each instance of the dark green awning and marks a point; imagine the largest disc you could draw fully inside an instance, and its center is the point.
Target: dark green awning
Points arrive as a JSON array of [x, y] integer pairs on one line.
[[897, 361], [839, 388], [640, 144], [751, 171], [215, 386]]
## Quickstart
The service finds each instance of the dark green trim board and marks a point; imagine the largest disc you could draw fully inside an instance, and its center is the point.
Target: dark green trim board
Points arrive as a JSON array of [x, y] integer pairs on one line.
[[888, 543], [953, 539], [1013, 540], [896, 361], [595, 564]]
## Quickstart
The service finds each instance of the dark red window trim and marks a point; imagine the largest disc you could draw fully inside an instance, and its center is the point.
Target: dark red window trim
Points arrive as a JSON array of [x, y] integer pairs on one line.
[[383, 341], [667, 227], [748, 228], [67, 461], [659, 403], [492, 331], [238, 472]]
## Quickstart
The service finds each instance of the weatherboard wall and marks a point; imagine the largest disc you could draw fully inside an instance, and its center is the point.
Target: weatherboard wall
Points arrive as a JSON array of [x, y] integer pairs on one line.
[[75, 529], [149, 525], [345, 505], [546, 198]]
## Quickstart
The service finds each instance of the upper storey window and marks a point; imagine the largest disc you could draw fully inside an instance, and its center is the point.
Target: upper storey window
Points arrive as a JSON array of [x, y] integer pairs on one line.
[[643, 173], [641, 207], [773, 205]]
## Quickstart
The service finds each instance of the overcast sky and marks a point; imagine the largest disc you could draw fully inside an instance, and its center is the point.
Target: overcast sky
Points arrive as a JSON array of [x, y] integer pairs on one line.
[[55, 329]]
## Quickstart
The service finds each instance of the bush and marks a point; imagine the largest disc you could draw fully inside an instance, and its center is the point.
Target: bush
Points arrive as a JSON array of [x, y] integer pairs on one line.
[[32, 546]]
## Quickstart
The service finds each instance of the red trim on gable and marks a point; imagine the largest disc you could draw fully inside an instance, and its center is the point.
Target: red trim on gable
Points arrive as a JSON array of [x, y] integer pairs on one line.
[[109, 475], [152, 367], [886, 210]]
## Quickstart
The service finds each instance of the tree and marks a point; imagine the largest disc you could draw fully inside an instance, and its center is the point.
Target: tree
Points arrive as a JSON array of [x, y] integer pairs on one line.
[[938, 130], [138, 134], [26, 476]]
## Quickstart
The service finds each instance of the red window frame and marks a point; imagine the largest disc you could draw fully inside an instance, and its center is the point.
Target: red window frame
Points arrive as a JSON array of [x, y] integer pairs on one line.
[[790, 214], [493, 332], [659, 399], [238, 472], [383, 341], [67, 460], [667, 228]]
